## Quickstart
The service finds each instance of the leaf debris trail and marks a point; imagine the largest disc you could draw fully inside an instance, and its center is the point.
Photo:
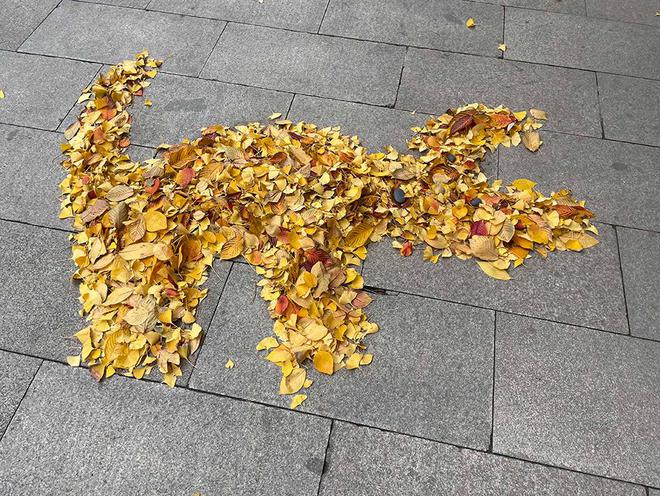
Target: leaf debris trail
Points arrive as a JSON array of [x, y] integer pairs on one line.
[[300, 204]]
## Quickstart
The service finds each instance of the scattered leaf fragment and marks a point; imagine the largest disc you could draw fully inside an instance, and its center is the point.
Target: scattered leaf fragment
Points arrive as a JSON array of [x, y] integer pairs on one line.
[[323, 362], [531, 140], [229, 364], [297, 400], [470, 22], [502, 47]]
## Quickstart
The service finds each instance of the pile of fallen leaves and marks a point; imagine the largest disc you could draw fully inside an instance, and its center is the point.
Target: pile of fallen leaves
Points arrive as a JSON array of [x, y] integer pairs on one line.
[[300, 204]]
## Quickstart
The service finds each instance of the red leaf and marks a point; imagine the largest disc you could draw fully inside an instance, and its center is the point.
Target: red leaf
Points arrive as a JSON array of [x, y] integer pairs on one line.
[[184, 176], [152, 185], [281, 305], [406, 249], [317, 255], [499, 121], [461, 122], [479, 228]]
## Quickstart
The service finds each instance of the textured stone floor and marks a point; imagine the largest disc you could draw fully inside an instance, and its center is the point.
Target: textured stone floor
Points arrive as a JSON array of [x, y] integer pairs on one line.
[[545, 385]]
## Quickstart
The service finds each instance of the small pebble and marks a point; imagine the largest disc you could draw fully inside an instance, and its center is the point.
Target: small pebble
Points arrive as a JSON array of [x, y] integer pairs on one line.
[[398, 195], [475, 202]]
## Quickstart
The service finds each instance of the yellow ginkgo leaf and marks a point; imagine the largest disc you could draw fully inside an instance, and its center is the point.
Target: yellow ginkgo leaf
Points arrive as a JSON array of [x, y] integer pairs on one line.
[[323, 362], [297, 400]]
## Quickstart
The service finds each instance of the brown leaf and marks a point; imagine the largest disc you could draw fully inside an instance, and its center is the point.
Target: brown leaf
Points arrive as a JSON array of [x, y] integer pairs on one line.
[[94, 211]]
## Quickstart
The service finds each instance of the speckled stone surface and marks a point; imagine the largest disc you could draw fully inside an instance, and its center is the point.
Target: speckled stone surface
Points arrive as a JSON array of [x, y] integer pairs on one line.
[[577, 288], [431, 375], [306, 63], [617, 180], [130, 437], [639, 11], [182, 106], [30, 172], [363, 461], [577, 398], [582, 42], [108, 34], [38, 298], [16, 373], [640, 262], [39, 91], [434, 81], [439, 24], [568, 6], [299, 15], [630, 108], [20, 18]]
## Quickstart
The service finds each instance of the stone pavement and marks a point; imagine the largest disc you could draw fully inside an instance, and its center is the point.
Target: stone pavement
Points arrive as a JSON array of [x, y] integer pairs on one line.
[[548, 384]]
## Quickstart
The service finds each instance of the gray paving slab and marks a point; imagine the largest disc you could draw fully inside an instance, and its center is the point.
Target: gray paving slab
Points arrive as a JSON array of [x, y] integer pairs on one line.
[[617, 180], [582, 42], [568, 6], [375, 126], [577, 288], [137, 4], [133, 437], [641, 11], [363, 461], [431, 375], [20, 18], [182, 106], [39, 300], [30, 173], [654, 492], [108, 34], [434, 81], [439, 24], [299, 15], [305, 63], [640, 263], [16, 373], [39, 91], [577, 398], [630, 108]]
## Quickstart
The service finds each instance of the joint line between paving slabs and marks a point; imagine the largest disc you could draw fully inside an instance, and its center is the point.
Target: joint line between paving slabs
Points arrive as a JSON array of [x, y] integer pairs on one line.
[[623, 282], [503, 29], [98, 71], [20, 402], [398, 86], [290, 105], [38, 25], [318, 31], [492, 405], [52, 228], [600, 109], [212, 50], [325, 457]]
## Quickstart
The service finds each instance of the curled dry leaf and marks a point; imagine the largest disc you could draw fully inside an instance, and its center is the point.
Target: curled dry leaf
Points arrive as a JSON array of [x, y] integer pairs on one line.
[[298, 202], [531, 140]]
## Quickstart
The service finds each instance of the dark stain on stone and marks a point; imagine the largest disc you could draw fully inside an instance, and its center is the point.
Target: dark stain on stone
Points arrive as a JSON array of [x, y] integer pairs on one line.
[[12, 134], [619, 166], [315, 465], [188, 104]]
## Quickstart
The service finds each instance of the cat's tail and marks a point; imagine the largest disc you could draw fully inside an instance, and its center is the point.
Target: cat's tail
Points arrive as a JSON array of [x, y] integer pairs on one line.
[[100, 136]]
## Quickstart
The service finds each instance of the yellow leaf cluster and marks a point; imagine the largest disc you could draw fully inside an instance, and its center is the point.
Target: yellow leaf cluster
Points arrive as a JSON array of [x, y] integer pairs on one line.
[[300, 204]]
